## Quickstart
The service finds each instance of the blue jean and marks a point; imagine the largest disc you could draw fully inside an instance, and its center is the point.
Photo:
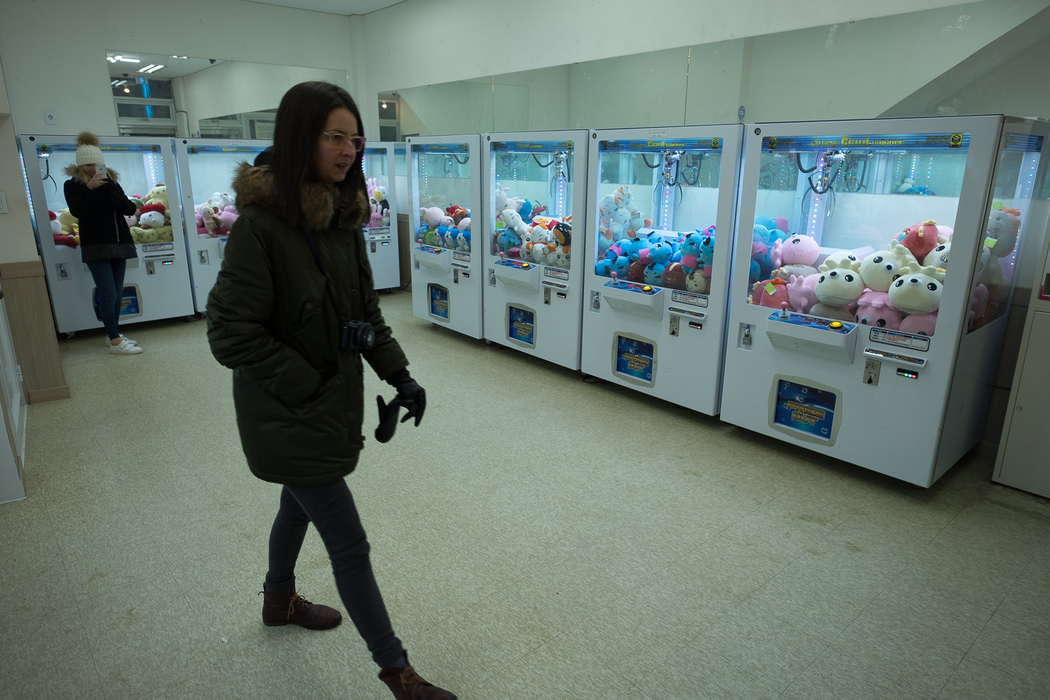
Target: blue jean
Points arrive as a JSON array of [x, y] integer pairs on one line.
[[109, 278], [331, 509]]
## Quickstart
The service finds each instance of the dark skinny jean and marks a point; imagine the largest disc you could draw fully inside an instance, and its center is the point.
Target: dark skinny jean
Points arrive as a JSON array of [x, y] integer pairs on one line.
[[331, 509], [109, 279]]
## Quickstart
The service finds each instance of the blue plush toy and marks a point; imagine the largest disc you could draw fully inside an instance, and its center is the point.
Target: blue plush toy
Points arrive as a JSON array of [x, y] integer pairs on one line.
[[654, 273], [620, 267], [603, 268], [506, 240]]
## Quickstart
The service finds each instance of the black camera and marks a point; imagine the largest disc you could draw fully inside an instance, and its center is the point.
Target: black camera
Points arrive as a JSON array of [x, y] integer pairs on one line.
[[357, 335]]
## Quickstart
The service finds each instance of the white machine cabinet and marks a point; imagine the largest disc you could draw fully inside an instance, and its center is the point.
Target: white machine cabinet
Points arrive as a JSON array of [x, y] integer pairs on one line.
[[661, 204], [206, 169], [534, 265], [873, 274], [157, 282], [12, 416], [378, 162], [1023, 461], [447, 264]]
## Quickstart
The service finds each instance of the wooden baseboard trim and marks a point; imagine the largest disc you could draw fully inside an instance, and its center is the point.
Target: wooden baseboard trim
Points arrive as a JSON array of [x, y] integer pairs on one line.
[[52, 394], [30, 268]]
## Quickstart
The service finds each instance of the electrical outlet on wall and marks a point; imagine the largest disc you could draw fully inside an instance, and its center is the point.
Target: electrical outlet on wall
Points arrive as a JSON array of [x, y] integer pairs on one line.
[[50, 118]]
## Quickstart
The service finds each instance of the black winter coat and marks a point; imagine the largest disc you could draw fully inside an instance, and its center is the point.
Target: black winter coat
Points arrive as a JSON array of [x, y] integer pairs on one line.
[[103, 231], [299, 399]]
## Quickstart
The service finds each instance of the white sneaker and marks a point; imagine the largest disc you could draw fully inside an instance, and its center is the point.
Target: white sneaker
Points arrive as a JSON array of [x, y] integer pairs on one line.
[[124, 337], [125, 348]]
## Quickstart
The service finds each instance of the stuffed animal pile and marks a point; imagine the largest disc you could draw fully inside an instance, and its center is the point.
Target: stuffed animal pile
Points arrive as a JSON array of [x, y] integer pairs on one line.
[[378, 205], [897, 288], [523, 232], [215, 217], [631, 249], [151, 222], [444, 229]]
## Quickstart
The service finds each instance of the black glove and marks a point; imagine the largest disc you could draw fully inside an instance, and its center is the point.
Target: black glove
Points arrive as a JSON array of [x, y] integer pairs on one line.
[[410, 395]]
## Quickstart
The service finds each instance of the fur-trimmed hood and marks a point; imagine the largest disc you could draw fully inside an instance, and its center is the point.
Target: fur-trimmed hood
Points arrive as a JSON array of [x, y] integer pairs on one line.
[[320, 202], [73, 171]]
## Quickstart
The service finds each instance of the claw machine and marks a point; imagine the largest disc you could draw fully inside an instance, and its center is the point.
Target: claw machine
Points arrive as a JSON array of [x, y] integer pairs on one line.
[[873, 275], [206, 169], [381, 227], [535, 195], [447, 264], [658, 245], [157, 282]]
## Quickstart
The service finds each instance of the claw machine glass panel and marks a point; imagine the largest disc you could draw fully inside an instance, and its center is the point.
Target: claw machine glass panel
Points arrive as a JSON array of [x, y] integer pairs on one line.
[[381, 227], [658, 247], [871, 276], [157, 282], [535, 193], [206, 173], [446, 259]]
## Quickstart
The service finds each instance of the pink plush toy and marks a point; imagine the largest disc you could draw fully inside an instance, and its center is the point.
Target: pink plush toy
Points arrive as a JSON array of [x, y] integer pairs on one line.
[[920, 324], [875, 309], [799, 249], [921, 238], [800, 292]]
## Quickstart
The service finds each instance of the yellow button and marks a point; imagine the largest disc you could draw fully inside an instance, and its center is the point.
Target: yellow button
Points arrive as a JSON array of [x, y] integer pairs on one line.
[[647, 288], [524, 265], [835, 324]]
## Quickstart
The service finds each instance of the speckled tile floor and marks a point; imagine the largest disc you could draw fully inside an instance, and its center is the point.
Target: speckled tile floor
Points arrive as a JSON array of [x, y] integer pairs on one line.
[[526, 548]]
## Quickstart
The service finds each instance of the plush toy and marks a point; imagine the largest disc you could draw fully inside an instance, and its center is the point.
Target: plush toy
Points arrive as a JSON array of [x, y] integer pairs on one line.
[[772, 293], [838, 257], [506, 240], [159, 195], [619, 222], [920, 324], [62, 239], [227, 216], [636, 271], [879, 269], [515, 223], [800, 249], [1001, 231], [463, 240], [623, 198], [544, 253], [674, 276], [917, 291], [938, 257], [653, 273], [151, 216], [921, 238], [562, 233], [218, 200], [800, 292], [875, 309], [706, 257], [690, 250], [761, 263], [375, 218], [696, 282], [839, 285], [562, 255], [432, 216], [68, 223]]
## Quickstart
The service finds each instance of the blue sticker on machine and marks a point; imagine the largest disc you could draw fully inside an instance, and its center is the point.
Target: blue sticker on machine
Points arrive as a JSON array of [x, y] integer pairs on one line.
[[438, 301], [521, 326], [634, 358], [803, 408]]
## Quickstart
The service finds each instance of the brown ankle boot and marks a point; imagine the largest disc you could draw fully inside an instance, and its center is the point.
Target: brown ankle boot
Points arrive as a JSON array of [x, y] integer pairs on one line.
[[282, 608], [406, 684]]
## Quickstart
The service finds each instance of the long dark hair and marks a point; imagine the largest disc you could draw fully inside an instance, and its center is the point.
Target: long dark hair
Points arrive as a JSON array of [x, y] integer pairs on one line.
[[301, 117]]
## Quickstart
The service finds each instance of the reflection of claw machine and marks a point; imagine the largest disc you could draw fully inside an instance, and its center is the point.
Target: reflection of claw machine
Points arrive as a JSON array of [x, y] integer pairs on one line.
[[658, 247], [206, 170], [535, 195], [872, 279], [381, 226], [446, 259], [157, 281]]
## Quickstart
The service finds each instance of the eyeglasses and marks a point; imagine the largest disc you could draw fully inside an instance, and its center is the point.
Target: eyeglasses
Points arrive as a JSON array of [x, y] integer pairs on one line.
[[337, 140]]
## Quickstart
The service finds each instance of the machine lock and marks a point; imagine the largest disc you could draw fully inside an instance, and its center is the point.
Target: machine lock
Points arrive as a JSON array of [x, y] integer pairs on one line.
[[547, 296], [150, 269], [596, 301], [871, 372], [673, 330], [202, 255]]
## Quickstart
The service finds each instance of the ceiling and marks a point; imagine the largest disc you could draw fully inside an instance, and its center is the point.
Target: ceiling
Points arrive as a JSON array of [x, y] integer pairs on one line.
[[335, 7]]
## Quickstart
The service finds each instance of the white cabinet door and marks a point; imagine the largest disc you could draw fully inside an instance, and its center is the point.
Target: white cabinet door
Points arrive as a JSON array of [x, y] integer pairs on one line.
[[1026, 456]]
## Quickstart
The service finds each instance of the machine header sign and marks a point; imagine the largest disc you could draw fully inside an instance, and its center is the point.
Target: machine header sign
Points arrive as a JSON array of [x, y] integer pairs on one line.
[[441, 148], [661, 145], [532, 146], [871, 142]]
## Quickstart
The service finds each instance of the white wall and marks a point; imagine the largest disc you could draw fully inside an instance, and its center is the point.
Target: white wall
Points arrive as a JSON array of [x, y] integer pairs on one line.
[[235, 87]]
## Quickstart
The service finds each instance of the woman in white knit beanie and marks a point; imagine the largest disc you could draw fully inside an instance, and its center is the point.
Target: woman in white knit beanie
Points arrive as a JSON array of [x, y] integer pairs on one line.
[[100, 205]]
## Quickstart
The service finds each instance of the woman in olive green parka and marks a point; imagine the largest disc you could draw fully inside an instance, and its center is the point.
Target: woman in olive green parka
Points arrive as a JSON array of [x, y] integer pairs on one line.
[[294, 275]]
